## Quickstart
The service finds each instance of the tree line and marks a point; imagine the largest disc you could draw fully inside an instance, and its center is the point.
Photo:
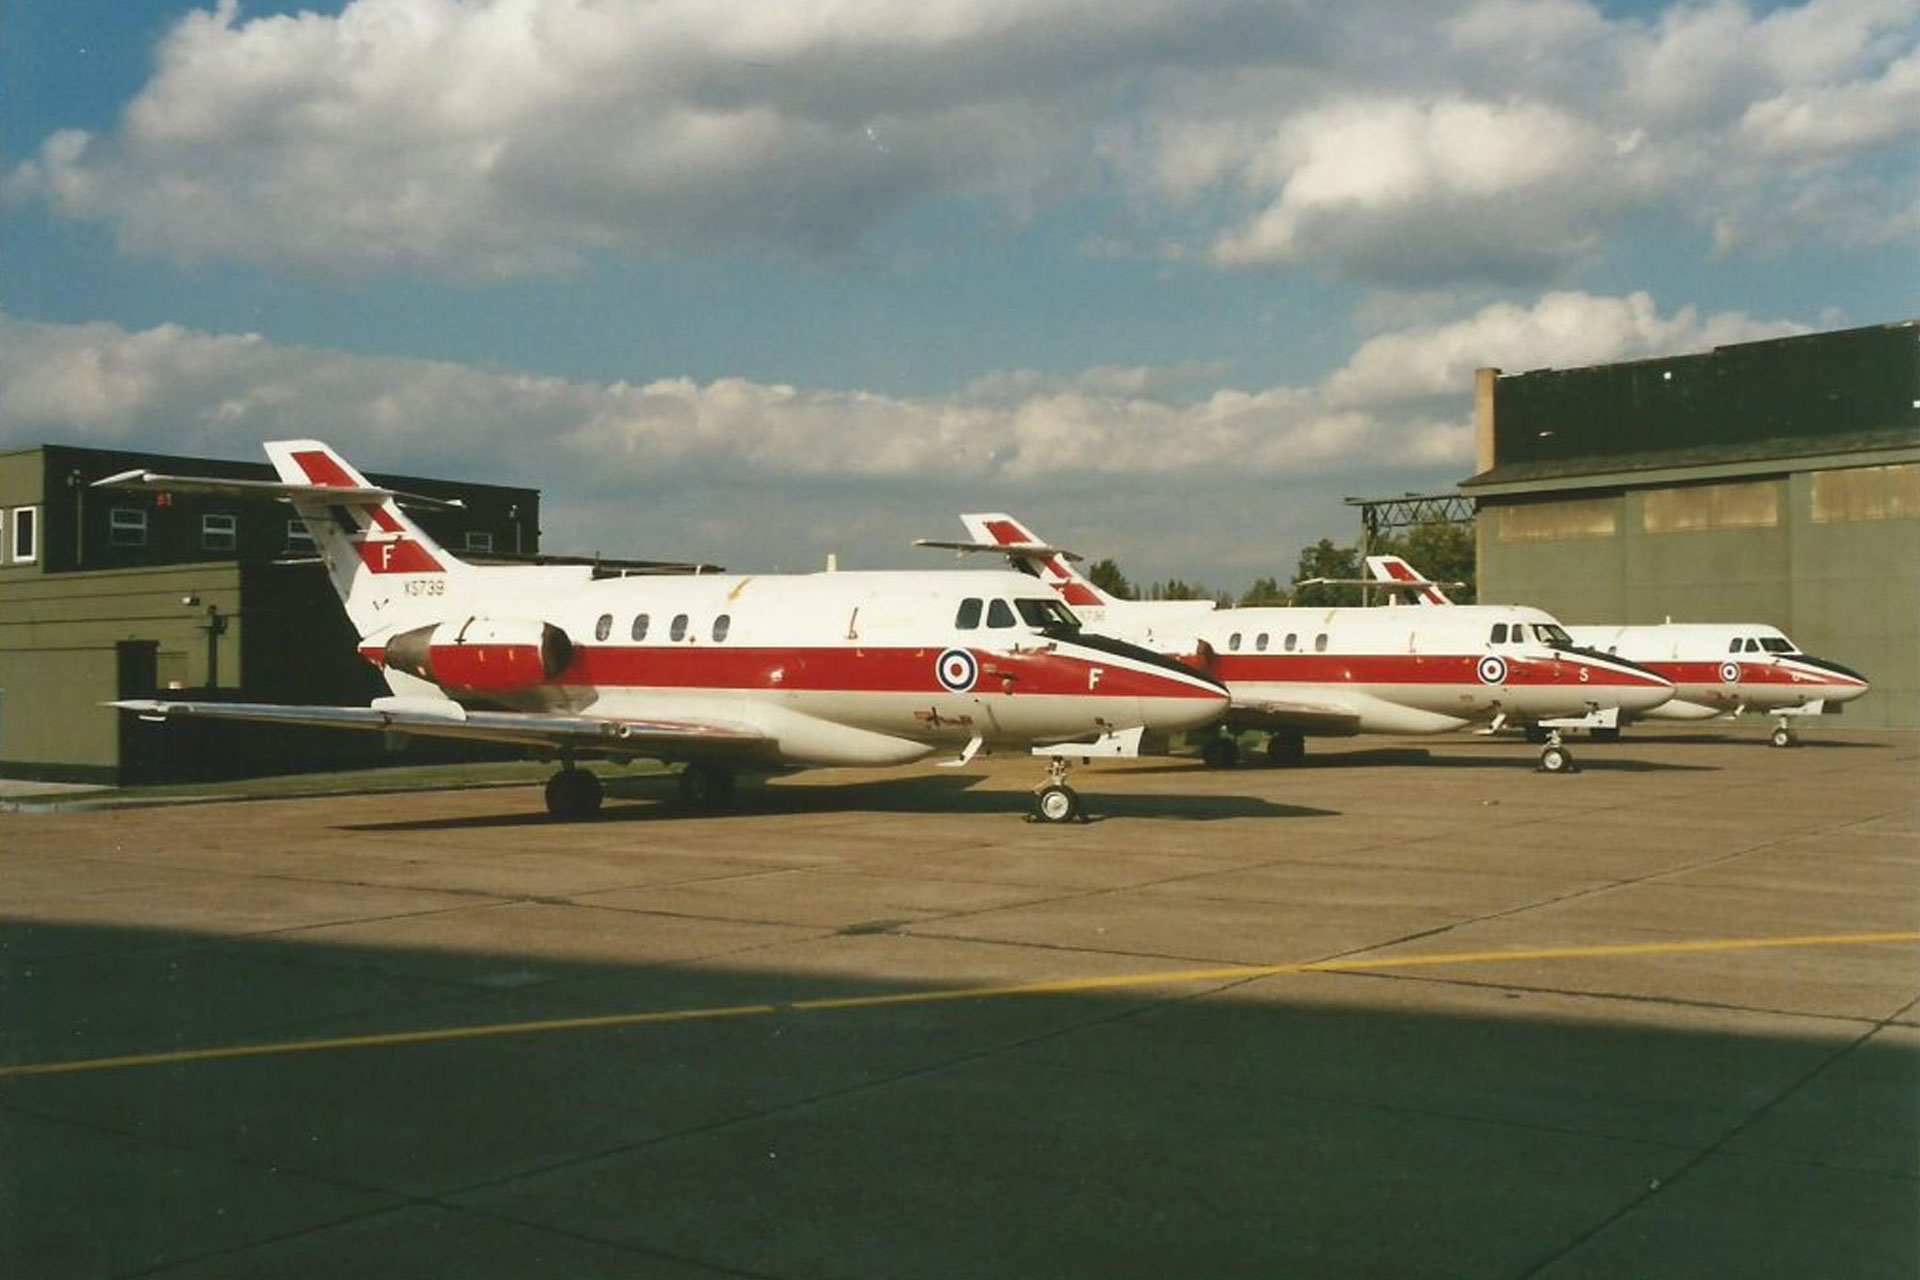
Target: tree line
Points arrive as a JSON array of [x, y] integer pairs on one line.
[[1441, 551]]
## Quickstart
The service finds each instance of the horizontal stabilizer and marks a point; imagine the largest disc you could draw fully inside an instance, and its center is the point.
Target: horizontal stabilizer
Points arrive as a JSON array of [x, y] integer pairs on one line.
[[1012, 550], [269, 490]]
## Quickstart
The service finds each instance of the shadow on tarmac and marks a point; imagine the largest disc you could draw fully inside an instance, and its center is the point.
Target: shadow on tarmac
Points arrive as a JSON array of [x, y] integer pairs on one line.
[[653, 798], [1292, 1129]]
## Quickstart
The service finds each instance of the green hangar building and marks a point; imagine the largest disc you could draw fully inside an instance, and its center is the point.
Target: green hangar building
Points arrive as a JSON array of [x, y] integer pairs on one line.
[[1774, 482], [110, 593]]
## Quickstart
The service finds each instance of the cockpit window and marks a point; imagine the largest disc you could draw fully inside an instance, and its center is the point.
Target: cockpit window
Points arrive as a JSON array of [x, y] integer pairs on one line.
[[1499, 633], [969, 615], [1041, 614], [1552, 636], [999, 613], [1776, 644]]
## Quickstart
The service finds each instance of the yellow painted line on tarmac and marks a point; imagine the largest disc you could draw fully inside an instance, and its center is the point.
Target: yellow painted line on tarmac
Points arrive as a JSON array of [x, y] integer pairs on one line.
[[1062, 986]]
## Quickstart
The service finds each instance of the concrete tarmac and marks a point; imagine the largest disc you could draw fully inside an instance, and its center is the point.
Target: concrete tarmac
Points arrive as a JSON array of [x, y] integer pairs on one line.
[[1413, 1009]]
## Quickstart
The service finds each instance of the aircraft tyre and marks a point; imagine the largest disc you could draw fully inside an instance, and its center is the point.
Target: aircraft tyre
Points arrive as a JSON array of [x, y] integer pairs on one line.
[[1556, 759], [706, 787], [573, 794], [1783, 737], [1056, 802], [1286, 748], [1221, 753]]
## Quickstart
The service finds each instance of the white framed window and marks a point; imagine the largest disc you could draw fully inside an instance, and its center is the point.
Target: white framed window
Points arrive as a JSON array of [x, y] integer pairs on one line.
[[23, 535], [300, 538], [480, 540], [127, 527], [219, 532]]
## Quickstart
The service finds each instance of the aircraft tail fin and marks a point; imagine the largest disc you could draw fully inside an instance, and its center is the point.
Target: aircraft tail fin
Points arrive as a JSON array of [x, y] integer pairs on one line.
[[369, 544], [386, 569], [1052, 565], [1397, 572]]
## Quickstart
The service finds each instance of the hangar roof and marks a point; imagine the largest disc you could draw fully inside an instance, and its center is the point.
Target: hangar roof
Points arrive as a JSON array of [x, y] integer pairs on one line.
[[1820, 396]]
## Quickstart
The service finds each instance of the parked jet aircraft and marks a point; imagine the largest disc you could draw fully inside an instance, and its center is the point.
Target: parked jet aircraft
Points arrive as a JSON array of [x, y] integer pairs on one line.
[[717, 671], [1717, 668], [1332, 672]]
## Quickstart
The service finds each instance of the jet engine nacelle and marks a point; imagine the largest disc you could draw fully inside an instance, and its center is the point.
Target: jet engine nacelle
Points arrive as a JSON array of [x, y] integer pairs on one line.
[[482, 655]]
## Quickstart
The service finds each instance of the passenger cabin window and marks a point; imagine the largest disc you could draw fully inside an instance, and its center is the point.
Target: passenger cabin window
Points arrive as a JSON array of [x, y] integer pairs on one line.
[[1260, 642], [1293, 641], [603, 626], [679, 629], [1233, 642], [722, 625], [969, 616], [640, 623], [999, 614], [1320, 643]]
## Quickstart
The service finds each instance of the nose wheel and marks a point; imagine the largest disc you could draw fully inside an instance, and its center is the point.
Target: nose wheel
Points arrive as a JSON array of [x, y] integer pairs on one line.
[[1054, 800], [1554, 757], [1783, 736]]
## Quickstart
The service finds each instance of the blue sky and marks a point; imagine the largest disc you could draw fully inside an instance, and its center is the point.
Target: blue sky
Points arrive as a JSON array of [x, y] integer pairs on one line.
[[763, 281]]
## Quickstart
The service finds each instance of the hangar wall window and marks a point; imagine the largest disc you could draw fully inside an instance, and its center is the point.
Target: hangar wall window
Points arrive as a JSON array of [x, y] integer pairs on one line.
[[1867, 493], [219, 532], [300, 538], [23, 530], [480, 540], [1694, 508], [1560, 521], [127, 527]]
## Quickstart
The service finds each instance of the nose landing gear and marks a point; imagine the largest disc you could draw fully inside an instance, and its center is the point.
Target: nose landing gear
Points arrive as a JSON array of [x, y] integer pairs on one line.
[[1554, 757], [1054, 800]]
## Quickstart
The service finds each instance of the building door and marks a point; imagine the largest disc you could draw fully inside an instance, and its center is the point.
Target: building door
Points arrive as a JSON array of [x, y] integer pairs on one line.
[[142, 745]]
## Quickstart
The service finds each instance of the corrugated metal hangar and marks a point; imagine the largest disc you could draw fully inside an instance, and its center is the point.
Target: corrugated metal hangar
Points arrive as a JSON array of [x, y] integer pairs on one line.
[[1774, 482]]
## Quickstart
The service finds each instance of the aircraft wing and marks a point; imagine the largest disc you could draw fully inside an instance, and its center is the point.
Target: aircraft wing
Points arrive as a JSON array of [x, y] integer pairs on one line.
[[1322, 719], [438, 718]]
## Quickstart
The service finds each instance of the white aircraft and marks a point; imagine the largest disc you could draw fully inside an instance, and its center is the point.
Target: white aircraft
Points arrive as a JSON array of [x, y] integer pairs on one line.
[[1717, 668], [1334, 672], [716, 671]]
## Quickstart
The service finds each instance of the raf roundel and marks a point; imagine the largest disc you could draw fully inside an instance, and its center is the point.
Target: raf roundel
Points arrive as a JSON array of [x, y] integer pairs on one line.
[[1492, 669], [956, 670], [1730, 672]]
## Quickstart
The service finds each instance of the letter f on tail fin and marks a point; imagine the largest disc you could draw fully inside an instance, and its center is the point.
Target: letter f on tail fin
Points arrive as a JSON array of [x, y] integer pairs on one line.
[[368, 543]]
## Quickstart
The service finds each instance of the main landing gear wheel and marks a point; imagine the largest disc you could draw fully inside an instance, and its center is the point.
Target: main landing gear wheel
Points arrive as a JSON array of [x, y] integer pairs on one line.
[[706, 787], [1783, 737], [1221, 753], [1286, 748], [1555, 758], [573, 794]]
